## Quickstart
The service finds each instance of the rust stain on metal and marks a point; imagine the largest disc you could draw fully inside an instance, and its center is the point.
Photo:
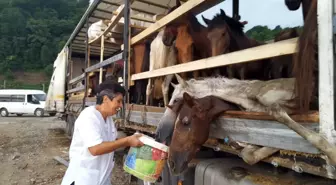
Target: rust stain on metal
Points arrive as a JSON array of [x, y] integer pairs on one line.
[[269, 180]]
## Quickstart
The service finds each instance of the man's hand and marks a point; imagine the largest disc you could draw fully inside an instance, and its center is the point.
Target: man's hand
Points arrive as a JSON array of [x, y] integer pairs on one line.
[[133, 141]]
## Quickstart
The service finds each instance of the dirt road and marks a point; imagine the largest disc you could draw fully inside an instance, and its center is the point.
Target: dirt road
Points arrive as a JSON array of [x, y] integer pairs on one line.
[[27, 147]]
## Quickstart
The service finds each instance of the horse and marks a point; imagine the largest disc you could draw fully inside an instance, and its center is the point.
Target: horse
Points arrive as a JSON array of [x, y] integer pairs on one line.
[[281, 66], [190, 37], [160, 56], [226, 35], [192, 128], [139, 63], [275, 97], [305, 66], [293, 5]]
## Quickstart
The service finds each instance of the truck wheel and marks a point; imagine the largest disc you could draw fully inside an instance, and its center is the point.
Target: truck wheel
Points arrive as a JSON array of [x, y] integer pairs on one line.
[[3, 112], [39, 112]]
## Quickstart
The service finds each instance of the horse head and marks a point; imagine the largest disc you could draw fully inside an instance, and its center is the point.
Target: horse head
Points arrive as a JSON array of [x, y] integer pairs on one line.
[[220, 32], [192, 128], [293, 4], [170, 31]]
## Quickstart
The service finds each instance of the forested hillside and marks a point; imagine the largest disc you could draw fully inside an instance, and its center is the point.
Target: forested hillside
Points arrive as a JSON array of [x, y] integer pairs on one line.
[[32, 32]]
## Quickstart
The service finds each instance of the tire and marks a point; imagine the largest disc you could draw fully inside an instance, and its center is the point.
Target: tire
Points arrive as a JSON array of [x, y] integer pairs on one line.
[[39, 112], [52, 114], [19, 115], [3, 112]]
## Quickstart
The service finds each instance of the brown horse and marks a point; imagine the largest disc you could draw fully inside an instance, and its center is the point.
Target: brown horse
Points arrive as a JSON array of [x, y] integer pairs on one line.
[[139, 63], [305, 61], [226, 35], [190, 37], [281, 66], [192, 128]]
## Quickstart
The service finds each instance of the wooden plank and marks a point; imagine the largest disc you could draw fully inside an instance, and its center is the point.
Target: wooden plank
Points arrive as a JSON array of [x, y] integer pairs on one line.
[[312, 116], [258, 132], [105, 62], [326, 69], [77, 78], [184, 8], [113, 23], [256, 53], [77, 89]]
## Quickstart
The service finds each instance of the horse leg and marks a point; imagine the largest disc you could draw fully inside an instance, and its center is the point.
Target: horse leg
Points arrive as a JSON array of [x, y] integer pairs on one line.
[[196, 74], [165, 88], [148, 90], [229, 70], [242, 73]]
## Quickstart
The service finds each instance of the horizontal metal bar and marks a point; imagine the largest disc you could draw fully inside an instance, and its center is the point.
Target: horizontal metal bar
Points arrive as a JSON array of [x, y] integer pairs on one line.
[[105, 62], [77, 78], [77, 89]]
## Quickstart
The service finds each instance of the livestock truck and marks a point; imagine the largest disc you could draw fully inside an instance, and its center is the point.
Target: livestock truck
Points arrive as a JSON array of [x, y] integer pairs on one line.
[[105, 44]]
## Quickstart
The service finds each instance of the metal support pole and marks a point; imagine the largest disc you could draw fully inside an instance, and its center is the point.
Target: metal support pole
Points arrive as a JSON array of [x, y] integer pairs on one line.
[[326, 69], [235, 10], [86, 61], [126, 53]]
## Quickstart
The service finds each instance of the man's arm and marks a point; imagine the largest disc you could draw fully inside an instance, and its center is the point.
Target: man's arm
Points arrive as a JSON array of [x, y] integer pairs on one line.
[[110, 146]]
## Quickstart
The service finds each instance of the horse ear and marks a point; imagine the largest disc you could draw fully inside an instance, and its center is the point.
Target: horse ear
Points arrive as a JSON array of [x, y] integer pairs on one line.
[[219, 106], [174, 85], [222, 12], [178, 3], [181, 81], [188, 99], [205, 20]]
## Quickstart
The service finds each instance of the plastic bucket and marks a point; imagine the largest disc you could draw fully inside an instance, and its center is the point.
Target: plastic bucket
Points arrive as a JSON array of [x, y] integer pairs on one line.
[[146, 162]]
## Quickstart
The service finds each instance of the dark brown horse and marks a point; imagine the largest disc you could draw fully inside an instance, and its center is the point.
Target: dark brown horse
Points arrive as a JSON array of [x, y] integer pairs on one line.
[[192, 128], [281, 66], [226, 35], [294, 5], [305, 61], [190, 36]]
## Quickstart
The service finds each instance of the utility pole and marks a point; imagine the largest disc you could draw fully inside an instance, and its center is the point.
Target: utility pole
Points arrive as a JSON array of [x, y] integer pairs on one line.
[[4, 85], [43, 87]]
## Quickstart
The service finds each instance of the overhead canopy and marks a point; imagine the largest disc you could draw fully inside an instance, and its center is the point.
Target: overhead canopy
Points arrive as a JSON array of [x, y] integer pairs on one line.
[[104, 9]]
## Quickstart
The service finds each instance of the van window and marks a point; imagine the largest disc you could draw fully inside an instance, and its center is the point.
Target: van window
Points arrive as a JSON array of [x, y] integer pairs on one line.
[[12, 98], [40, 97], [5, 98], [18, 98]]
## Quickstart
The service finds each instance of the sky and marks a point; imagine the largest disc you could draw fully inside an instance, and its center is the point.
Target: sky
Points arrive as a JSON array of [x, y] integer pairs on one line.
[[258, 12]]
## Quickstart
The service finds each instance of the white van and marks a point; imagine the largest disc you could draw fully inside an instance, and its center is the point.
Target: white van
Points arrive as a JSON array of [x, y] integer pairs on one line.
[[19, 102]]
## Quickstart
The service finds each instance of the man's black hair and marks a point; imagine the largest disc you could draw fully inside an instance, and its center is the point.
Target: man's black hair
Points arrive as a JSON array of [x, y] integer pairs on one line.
[[110, 89]]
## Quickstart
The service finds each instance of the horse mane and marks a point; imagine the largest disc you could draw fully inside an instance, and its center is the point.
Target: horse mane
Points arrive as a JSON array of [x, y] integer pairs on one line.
[[305, 59], [194, 24], [220, 19]]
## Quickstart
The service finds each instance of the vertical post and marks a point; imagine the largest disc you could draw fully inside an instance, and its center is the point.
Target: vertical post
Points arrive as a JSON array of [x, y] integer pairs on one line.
[[4, 86], [235, 10], [326, 69], [87, 56], [126, 53], [101, 58]]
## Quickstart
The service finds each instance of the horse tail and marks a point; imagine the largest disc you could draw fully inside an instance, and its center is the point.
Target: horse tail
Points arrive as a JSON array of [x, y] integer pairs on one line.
[[305, 59]]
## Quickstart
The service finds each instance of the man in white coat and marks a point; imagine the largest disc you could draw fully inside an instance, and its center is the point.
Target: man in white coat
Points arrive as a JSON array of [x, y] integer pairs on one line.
[[94, 139]]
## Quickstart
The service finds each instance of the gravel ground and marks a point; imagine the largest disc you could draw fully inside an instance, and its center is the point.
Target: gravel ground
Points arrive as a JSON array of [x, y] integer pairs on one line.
[[27, 147]]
